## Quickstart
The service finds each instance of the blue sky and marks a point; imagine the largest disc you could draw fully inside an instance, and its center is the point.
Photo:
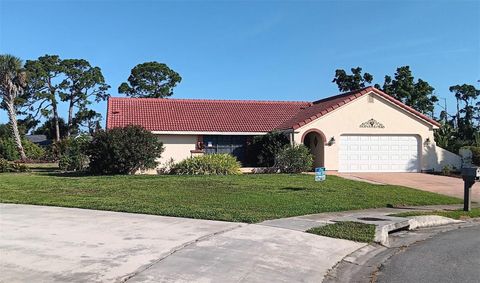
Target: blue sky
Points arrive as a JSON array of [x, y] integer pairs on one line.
[[268, 50]]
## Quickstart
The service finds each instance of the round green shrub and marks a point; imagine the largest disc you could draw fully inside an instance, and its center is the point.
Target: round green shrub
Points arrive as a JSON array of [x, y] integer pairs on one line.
[[8, 150], [209, 164], [264, 148], [33, 151], [123, 151], [294, 159]]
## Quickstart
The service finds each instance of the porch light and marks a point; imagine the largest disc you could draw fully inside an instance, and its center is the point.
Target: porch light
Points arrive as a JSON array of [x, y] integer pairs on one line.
[[331, 141], [427, 142]]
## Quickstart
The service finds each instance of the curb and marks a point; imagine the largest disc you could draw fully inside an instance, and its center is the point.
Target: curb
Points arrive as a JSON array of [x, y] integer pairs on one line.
[[382, 232]]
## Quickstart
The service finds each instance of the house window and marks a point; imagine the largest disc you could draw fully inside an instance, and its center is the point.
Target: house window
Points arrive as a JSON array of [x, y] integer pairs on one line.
[[234, 145]]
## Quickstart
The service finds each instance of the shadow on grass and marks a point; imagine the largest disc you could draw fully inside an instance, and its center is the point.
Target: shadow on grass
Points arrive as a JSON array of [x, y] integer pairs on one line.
[[66, 174], [293, 189]]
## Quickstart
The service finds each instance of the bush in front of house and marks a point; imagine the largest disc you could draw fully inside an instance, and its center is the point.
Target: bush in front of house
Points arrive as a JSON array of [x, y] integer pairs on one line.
[[8, 150], [266, 147], [33, 151], [71, 153], [123, 150], [9, 166], [209, 164], [294, 159]]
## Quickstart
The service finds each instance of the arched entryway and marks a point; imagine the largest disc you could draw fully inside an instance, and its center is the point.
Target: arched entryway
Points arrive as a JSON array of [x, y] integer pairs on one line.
[[315, 141]]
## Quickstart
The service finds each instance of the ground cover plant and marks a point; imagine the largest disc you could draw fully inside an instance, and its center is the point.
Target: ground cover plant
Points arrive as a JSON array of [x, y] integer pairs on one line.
[[348, 230], [243, 198]]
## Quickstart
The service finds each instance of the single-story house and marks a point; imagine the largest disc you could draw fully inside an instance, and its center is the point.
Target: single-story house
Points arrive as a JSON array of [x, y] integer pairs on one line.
[[360, 131], [40, 140]]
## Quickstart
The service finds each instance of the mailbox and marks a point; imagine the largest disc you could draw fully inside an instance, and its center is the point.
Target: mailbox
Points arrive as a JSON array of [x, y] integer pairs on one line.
[[470, 175]]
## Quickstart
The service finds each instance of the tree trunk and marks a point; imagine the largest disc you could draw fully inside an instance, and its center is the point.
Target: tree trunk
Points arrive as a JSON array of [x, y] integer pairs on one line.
[[70, 118], [458, 113], [16, 135], [55, 121]]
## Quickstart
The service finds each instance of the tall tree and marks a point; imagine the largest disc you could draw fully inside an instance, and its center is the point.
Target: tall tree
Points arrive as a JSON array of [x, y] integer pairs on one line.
[[466, 94], [82, 82], [351, 82], [403, 87], [44, 84], [150, 79], [48, 128], [89, 119], [13, 80]]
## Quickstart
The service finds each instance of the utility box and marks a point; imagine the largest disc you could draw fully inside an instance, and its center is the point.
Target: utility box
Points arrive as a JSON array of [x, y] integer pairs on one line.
[[470, 175]]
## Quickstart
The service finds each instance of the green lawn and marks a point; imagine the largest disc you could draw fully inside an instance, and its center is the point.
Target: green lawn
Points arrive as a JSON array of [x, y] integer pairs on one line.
[[244, 198], [354, 231], [455, 214]]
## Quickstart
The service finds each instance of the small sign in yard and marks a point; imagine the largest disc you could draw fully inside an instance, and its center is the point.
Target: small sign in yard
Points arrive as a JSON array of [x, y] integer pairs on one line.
[[320, 174]]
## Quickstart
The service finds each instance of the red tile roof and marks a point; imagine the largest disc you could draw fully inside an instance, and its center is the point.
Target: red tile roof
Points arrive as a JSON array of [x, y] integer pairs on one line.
[[167, 114], [230, 115]]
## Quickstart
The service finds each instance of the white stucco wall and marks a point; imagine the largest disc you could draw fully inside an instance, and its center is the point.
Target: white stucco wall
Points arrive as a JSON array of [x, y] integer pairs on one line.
[[439, 158], [397, 121]]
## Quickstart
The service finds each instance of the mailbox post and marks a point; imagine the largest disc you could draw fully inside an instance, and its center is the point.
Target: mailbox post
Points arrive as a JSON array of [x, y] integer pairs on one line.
[[469, 175]]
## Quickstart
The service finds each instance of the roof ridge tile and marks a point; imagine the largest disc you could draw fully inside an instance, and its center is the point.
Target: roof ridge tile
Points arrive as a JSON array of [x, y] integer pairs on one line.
[[214, 115]]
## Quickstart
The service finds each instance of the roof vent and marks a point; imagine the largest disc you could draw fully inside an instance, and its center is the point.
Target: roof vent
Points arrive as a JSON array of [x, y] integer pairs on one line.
[[115, 112]]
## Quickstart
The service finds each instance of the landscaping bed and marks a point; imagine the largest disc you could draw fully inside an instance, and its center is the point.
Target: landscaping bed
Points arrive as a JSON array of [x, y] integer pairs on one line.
[[241, 198]]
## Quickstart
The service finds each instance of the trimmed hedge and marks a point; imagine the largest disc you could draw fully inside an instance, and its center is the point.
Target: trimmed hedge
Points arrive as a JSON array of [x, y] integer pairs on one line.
[[209, 164]]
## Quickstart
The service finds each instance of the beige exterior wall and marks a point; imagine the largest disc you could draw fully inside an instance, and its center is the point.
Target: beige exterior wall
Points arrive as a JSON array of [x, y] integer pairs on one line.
[[439, 158], [397, 121], [177, 147]]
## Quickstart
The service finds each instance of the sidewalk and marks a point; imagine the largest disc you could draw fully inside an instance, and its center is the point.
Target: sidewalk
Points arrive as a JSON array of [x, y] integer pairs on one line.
[[54, 244], [305, 222]]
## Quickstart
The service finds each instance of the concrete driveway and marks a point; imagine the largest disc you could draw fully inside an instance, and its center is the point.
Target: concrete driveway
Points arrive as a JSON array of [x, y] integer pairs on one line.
[[52, 244], [427, 182]]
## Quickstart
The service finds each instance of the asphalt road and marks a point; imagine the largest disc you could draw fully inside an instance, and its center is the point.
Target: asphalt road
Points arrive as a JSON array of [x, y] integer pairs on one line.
[[452, 256]]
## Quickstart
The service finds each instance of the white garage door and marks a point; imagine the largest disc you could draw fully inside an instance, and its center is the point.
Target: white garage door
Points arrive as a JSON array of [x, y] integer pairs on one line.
[[375, 153]]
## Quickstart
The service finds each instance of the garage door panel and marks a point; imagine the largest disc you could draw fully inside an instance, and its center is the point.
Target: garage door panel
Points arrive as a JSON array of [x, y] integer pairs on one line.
[[378, 153]]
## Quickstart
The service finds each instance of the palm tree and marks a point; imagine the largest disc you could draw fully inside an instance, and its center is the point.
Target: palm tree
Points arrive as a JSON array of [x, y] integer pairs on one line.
[[12, 84]]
